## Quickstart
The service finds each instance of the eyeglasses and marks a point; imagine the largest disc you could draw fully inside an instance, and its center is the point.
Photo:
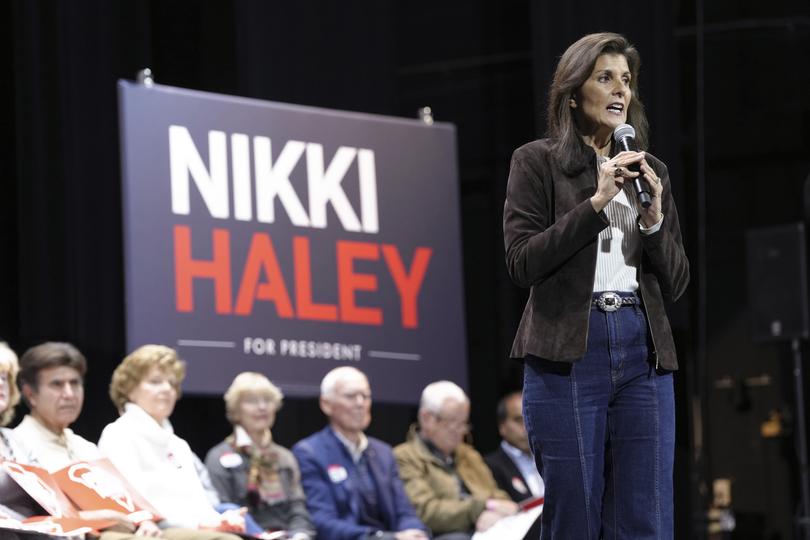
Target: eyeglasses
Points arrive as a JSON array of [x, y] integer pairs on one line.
[[454, 424], [354, 396], [257, 400]]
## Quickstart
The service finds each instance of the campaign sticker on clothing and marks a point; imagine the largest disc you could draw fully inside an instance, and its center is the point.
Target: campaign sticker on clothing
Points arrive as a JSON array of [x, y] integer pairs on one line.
[[229, 460], [337, 473], [519, 486], [170, 457]]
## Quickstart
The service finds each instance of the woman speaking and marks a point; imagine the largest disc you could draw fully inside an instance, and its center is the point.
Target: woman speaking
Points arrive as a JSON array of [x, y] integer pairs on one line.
[[594, 336]]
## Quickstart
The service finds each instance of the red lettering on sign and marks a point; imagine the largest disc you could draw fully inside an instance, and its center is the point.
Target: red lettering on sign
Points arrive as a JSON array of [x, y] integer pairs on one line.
[[262, 278], [262, 256], [408, 284], [187, 269], [349, 282], [306, 308]]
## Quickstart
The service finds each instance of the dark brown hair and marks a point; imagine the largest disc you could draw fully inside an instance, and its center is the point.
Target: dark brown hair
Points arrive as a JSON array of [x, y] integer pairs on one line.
[[575, 66], [501, 412], [49, 355]]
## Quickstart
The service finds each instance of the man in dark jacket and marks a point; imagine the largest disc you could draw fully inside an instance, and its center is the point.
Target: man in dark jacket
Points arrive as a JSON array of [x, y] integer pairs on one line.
[[512, 463], [352, 481]]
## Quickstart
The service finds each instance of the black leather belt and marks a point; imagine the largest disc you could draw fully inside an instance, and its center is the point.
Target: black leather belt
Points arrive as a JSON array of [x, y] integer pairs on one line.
[[610, 301]]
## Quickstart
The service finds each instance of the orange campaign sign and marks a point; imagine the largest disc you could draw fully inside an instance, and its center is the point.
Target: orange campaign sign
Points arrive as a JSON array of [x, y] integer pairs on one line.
[[69, 527], [39, 485], [42, 488], [98, 485]]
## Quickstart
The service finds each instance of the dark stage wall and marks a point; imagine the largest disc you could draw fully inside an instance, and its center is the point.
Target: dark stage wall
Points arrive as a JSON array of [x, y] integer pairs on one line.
[[481, 64]]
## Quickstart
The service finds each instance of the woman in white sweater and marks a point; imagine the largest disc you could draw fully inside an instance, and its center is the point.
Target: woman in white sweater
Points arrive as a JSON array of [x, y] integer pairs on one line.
[[143, 446]]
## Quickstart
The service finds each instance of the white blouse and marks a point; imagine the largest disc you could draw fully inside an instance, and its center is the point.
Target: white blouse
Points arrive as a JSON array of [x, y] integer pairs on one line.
[[619, 251], [159, 465]]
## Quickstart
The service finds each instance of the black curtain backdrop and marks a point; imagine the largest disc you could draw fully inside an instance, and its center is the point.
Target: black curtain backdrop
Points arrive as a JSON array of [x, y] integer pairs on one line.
[[469, 61], [484, 65]]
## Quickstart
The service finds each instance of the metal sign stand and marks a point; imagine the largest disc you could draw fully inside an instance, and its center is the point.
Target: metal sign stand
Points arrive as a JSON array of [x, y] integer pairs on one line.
[[803, 510]]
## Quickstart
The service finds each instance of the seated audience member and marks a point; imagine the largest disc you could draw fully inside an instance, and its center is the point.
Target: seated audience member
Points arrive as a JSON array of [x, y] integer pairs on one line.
[[9, 397], [51, 377], [351, 480], [142, 445], [512, 463], [251, 470], [52, 382], [9, 449], [447, 480]]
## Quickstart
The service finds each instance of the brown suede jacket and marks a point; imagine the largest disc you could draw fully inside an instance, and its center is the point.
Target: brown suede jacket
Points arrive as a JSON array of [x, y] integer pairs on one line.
[[550, 232]]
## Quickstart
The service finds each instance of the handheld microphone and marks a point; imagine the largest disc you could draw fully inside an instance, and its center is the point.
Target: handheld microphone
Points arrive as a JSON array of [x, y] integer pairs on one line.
[[625, 137]]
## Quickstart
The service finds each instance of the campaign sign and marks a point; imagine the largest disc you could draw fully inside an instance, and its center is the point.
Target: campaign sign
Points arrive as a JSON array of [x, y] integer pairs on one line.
[[98, 485], [34, 489], [38, 484], [290, 240]]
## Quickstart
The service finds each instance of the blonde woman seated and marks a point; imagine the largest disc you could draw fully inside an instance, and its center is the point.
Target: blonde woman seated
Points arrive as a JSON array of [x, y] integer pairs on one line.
[[251, 470], [143, 446], [9, 397], [10, 508]]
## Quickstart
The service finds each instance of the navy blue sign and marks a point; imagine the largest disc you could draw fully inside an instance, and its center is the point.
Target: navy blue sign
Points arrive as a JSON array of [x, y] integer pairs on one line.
[[290, 240]]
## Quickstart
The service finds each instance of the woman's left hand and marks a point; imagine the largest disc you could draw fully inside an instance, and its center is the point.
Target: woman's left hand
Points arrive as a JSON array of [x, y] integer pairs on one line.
[[652, 214], [233, 520], [148, 528]]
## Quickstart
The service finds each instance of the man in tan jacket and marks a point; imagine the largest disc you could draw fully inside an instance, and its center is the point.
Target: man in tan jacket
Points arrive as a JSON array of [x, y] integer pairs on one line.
[[447, 480]]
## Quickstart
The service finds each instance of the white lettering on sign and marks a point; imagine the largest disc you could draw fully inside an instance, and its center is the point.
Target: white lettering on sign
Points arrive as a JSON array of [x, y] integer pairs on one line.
[[325, 181]]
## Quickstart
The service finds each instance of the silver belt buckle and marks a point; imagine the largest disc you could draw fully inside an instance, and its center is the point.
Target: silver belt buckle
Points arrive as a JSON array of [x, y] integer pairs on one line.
[[609, 301]]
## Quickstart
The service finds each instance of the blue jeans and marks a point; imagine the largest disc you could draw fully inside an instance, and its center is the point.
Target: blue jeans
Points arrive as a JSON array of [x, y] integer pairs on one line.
[[603, 434]]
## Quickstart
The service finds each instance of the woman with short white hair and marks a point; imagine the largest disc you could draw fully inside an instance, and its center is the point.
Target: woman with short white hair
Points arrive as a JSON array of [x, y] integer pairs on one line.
[[249, 469]]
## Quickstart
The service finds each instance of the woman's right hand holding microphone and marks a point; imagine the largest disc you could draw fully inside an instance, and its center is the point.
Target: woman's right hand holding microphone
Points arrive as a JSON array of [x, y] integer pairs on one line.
[[612, 175]]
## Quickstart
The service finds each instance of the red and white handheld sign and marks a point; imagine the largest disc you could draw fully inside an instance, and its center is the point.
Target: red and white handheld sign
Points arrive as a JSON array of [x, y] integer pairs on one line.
[[98, 485]]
